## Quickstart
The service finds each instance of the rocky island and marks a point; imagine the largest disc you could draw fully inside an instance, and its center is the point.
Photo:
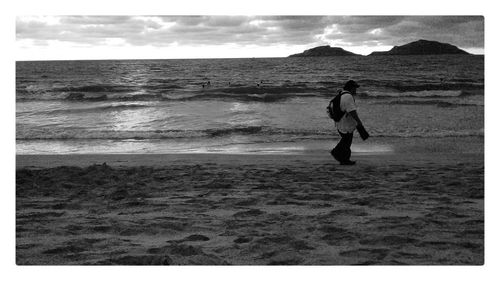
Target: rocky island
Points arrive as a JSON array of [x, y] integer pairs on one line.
[[324, 51], [422, 47]]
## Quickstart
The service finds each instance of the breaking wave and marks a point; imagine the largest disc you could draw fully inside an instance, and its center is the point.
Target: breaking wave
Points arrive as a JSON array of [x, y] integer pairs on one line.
[[438, 103], [226, 95], [214, 133], [98, 109]]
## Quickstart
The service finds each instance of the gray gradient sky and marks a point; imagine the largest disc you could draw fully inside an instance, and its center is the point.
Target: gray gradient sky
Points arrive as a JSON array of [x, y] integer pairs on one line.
[[130, 37]]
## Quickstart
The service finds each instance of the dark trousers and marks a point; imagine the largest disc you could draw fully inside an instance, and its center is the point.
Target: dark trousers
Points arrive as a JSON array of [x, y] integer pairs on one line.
[[342, 151]]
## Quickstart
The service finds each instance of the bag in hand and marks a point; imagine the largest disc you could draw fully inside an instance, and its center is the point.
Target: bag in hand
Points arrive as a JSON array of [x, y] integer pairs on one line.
[[362, 132]]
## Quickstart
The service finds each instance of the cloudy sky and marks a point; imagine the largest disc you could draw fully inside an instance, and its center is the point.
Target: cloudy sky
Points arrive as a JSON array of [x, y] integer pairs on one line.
[[140, 37]]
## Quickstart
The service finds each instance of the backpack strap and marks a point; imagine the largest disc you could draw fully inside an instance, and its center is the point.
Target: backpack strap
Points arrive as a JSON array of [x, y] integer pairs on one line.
[[346, 92]]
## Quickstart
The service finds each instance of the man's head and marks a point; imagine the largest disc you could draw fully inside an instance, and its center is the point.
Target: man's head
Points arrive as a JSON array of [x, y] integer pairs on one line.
[[351, 86]]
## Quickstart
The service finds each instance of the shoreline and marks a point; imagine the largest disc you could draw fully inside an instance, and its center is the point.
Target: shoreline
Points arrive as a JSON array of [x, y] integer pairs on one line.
[[379, 151], [81, 160], [319, 147]]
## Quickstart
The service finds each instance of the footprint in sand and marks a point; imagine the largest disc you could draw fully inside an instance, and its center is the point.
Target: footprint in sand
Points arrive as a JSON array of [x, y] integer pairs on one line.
[[138, 260], [389, 240], [196, 237], [249, 213], [373, 255], [337, 235], [241, 240]]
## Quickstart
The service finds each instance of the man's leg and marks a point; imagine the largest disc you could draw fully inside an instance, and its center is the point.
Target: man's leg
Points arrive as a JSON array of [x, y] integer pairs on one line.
[[342, 151], [347, 138]]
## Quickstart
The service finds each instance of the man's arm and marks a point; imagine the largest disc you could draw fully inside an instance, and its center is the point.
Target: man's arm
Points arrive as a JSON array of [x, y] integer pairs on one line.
[[361, 129], [354, 115]]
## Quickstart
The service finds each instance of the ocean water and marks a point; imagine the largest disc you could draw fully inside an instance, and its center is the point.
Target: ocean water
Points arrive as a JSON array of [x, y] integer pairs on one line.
[[261, 105]]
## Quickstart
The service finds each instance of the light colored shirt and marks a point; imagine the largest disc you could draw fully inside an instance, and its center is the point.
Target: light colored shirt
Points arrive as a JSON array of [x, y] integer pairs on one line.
[[347, 124]]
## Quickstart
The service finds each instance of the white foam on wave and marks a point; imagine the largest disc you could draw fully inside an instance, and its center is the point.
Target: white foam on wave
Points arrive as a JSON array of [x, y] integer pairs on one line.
[[423, 93], [372, 148]]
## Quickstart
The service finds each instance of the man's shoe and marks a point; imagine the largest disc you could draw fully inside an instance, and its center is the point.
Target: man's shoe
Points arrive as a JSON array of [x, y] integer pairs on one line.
[[334, 156], [348, 162]]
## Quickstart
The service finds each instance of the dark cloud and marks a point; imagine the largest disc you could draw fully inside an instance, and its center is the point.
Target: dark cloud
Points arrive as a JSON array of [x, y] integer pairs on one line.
[[463, 31], [184, 20], [312, 24], [97, 20], [225, 21]]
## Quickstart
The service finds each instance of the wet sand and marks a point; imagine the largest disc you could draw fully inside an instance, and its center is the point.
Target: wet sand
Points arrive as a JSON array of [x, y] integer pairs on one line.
[[414, 208]]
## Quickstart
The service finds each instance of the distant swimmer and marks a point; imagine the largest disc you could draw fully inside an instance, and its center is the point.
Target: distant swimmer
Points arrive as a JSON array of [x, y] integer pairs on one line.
[[342, 109]]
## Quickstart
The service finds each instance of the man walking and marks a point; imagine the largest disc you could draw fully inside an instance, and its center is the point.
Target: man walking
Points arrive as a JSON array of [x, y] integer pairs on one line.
[[347, 124]]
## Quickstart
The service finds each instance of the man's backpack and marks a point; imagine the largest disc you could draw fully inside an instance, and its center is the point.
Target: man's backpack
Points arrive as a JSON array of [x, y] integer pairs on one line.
[[333, 108]]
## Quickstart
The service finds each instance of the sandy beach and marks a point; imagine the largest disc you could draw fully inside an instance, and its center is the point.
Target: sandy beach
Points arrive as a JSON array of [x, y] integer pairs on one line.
[[210, 209]]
